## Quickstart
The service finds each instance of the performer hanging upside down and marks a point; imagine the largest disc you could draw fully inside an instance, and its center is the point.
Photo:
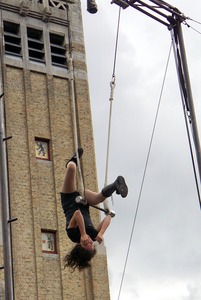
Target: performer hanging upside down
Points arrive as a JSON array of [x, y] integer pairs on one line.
[[79, 226]]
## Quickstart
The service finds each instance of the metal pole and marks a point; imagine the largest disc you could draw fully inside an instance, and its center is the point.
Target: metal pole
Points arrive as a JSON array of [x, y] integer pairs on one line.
[[6, 225], [190, 97]]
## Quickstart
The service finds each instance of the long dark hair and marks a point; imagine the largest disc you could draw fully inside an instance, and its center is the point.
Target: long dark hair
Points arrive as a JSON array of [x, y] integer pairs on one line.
[[79, 258]]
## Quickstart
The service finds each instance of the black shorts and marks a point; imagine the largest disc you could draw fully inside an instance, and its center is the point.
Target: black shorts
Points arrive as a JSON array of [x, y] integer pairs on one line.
[[70, 206]]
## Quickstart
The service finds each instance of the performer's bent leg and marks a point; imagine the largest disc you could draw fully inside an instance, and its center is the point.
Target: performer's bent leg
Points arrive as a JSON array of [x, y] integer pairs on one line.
[[93, 198], [119, 186], [69, 183]]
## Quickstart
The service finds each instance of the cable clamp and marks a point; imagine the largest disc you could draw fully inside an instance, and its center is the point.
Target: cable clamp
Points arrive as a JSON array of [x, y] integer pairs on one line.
[[112, 86], [112, 82], [80, 200]]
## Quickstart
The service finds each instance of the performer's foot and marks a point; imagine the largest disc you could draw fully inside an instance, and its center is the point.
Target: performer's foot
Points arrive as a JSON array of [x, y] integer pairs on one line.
[[121, 187], [74, 157]]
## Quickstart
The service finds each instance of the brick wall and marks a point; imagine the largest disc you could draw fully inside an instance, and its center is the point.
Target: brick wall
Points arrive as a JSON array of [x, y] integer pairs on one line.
[[38, 104]]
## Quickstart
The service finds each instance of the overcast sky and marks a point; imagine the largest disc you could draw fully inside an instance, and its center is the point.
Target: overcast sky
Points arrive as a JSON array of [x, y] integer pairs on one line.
[[165, 256]]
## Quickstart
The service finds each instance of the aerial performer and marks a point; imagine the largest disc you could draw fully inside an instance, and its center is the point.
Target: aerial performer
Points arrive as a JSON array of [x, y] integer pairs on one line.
[[79, 226]]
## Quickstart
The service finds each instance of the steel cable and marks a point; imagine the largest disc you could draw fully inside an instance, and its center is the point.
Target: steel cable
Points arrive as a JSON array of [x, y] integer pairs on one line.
[[144, 173]]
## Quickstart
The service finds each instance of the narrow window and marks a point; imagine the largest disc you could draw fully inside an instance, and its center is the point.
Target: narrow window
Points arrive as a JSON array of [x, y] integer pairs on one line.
[[35, 45], [42, 149], [12, 39], [48, 240], [58, 50]]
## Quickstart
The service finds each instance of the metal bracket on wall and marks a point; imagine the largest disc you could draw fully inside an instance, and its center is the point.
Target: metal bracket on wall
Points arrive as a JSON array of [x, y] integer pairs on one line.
[[12, 220]]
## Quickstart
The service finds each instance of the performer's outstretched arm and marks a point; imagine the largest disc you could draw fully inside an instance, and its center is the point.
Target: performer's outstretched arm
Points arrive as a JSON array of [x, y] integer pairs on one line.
[[102, 228]]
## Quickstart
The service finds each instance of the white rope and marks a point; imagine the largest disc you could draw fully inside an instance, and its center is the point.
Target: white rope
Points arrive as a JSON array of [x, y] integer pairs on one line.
[[112, 86], [80, 178]]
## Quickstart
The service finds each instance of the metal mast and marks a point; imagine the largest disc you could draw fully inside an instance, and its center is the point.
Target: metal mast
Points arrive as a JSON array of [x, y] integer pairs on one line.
[[5, 214], [172, 18], [4, 193], [189, 98]]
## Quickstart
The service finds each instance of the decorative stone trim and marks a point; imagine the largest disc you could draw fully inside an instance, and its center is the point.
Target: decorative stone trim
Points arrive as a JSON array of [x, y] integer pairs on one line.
[[24, 9], [59, 4], [46, 15]]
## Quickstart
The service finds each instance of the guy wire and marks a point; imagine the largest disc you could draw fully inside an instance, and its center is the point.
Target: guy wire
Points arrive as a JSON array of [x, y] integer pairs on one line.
[[145, 169]]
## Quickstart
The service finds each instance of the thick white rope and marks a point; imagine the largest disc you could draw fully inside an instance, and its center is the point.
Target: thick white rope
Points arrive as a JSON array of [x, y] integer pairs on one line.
[[80, 178], [112, 86]]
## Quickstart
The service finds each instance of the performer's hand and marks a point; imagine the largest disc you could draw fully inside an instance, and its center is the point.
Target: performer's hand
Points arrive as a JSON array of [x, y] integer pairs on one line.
[[99, 238], [84, 239]]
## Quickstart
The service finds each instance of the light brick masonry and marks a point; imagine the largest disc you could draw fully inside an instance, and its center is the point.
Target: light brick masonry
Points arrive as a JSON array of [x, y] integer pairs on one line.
[[38, 104]]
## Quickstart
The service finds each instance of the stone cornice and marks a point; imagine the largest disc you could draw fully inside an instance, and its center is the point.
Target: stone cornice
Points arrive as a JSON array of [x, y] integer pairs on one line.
[[46, 14]]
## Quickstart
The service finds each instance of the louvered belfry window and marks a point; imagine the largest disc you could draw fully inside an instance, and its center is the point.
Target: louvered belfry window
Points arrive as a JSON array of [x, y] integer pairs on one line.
[[58, 50], [35, 45], [58, 4], [12, 39]]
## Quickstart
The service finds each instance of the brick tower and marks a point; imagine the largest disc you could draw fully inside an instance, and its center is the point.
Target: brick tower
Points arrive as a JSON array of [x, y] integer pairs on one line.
[[37, 36]]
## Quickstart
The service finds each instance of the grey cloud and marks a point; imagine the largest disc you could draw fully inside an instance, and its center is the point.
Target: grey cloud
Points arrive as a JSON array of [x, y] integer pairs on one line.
[[164, 260]]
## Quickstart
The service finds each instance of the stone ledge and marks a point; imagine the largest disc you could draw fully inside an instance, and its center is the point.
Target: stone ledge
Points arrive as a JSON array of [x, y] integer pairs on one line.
[[50, 255], [42, 161]]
